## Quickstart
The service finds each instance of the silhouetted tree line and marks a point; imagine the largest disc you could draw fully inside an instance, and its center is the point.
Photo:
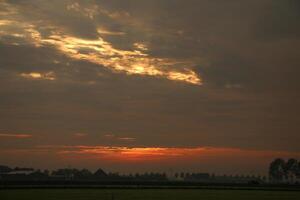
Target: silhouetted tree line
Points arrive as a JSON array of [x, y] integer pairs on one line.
[[84, 175], [191, 176], [74, 174], [281, 171]]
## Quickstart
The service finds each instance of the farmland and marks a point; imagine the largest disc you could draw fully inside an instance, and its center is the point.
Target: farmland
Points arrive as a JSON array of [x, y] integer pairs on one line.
[[144, 194]]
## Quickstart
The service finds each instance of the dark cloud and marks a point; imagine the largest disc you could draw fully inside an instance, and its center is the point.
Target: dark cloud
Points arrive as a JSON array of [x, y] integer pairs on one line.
[[280, 21]]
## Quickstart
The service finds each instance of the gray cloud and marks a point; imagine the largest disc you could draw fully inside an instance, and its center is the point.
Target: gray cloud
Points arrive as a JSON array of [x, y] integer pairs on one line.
[[280, 21]]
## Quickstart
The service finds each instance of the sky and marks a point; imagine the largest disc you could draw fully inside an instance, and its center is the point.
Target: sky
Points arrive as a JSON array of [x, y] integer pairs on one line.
[[138, 85]]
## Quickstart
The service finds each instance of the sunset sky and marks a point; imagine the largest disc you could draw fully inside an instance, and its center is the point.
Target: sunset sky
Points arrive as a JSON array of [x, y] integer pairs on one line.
[[149, 85]]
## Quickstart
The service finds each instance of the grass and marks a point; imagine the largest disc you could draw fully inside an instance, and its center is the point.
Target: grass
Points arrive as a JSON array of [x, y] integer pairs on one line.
[[144, 194]]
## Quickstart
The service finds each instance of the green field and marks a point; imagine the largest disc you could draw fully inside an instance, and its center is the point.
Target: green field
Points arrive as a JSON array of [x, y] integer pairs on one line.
[[143, 194]]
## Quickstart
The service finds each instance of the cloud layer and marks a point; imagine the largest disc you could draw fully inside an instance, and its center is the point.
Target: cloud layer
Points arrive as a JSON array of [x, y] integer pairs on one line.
[[17, 30], [172, 73]]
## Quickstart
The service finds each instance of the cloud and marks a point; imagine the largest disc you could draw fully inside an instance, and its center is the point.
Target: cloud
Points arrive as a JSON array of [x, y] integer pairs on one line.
[[115, 137], [39, 76], [280, 22], [17, 136], [98, 50], [109, 135], [129, 139], [131, 62], [103, 31], [140, 46], [80, 135]]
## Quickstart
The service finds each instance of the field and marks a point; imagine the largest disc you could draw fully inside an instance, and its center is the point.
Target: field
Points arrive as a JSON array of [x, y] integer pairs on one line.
[[144, 194]]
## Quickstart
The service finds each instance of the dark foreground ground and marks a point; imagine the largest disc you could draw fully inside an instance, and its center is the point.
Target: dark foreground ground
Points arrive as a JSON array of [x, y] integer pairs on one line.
[[145, 194]]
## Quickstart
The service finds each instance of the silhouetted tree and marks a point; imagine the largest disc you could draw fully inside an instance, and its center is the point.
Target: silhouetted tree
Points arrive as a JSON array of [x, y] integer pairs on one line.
[[137, 175], [100, 174], [47, 172], [23, 169], [65, 173], [38, 175], [83, 174], [291, 166], [176, 175], [182, 175], [277, 170], [5, 169]]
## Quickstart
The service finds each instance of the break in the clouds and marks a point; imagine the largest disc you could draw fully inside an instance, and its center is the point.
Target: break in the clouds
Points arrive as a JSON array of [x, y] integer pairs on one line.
[[141, 73]]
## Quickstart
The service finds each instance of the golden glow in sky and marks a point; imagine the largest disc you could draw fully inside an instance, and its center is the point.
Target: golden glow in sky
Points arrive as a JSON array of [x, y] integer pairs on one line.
[[134, 61], [131, 62], [144, 154]]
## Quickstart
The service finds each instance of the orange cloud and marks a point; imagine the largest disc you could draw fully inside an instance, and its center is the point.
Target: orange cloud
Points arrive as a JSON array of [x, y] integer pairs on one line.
[[19, 136]]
